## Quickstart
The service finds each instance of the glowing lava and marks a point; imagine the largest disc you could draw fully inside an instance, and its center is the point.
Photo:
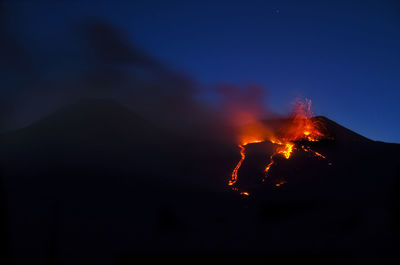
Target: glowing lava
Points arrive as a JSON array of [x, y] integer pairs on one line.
[[308, 149], [235, 171], [283, 149], [286, 150], [300, 128], [234, 177], [280, 183]]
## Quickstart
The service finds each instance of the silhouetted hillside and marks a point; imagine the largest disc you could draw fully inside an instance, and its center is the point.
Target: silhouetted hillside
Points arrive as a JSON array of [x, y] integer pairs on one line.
[[338, 132], [94, 183], [89, 121]]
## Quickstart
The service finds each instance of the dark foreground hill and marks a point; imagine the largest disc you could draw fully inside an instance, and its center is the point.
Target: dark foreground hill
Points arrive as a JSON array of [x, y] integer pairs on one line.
[[96, 184]]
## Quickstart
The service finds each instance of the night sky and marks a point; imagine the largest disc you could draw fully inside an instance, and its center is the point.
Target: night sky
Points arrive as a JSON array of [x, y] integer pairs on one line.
[[343, 55]]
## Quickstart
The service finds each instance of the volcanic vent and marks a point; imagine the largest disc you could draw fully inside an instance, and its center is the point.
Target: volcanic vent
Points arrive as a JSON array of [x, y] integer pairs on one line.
[[287, 136]]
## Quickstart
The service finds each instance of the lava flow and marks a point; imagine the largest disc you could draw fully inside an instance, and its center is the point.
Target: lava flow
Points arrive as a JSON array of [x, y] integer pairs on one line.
[[242, 147], [284, 149], [300, 128], [235, 171]]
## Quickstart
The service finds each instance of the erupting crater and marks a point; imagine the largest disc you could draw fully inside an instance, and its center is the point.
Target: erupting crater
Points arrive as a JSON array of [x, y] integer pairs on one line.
[[294, 135]]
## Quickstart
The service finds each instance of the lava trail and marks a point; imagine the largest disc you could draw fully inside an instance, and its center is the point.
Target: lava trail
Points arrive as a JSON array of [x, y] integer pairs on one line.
[[233, 179], [234, 176], [308, 149], [285, 150]]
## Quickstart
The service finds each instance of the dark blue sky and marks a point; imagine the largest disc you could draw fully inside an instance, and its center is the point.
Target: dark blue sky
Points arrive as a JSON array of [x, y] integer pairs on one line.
[[344, 55]]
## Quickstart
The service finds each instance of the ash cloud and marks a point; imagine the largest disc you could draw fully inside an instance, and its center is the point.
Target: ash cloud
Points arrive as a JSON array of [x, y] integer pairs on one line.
[[109, 67], [104, 64]]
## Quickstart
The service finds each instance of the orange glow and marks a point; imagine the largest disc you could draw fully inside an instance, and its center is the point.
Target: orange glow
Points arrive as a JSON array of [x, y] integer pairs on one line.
[[267, 168], [300, 127], [318, 154], [280, 183], [308, 149], [244, 193], [245, 142], [235, 171], [285, 150]]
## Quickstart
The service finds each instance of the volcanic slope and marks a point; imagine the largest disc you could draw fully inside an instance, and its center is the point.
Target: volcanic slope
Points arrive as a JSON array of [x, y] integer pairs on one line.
[[94, 183]]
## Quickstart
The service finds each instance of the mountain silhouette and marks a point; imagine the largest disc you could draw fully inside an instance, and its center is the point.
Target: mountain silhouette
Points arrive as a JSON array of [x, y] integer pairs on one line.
[[94, 183], [338, 132]]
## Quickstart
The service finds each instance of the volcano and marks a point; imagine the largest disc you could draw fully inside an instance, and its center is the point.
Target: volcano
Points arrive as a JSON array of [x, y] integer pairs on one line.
[[94, 183]]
